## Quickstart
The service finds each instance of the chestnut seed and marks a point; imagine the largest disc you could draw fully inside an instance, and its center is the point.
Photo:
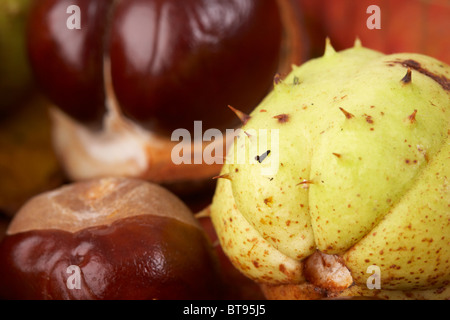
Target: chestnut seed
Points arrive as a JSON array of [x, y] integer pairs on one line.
[[67, 64], [225, 47], [112, 238], [172, 61]]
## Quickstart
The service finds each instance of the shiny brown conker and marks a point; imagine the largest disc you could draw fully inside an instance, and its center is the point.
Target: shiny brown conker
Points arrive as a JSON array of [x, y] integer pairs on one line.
[[149, 67], [172, 61], [67, 63], [181, 61], [107, 239]]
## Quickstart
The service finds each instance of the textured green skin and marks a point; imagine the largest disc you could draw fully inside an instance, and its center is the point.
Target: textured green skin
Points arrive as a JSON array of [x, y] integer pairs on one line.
[[376, 190], [15, 74]]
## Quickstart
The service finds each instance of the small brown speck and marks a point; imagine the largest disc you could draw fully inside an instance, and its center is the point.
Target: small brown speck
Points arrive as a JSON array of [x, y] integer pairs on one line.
[[412, 117], [369, 119], [440, 290], [282, 118], [347, 114], [268, 201]]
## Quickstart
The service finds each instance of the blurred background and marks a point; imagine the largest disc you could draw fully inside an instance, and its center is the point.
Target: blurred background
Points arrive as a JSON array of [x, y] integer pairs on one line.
[[421, 26]]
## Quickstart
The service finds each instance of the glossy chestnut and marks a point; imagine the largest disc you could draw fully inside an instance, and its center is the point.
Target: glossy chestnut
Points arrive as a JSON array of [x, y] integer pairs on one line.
[[122, 238], [172, 62], [67, 64], [159, 66]]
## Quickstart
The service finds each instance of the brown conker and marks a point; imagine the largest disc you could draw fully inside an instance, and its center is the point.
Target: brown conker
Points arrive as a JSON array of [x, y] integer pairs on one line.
[[173, 62], [111, 238], [137, 71]]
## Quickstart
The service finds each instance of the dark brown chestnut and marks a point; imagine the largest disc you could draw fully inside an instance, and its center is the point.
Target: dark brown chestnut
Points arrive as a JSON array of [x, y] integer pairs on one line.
[[67, 64], [111, 238], [172, 62], [145, 68]]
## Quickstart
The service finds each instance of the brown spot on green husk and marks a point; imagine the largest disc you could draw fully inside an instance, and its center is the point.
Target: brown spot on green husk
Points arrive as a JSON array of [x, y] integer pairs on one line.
[[282, 118], [347, 114], [412, 64]]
